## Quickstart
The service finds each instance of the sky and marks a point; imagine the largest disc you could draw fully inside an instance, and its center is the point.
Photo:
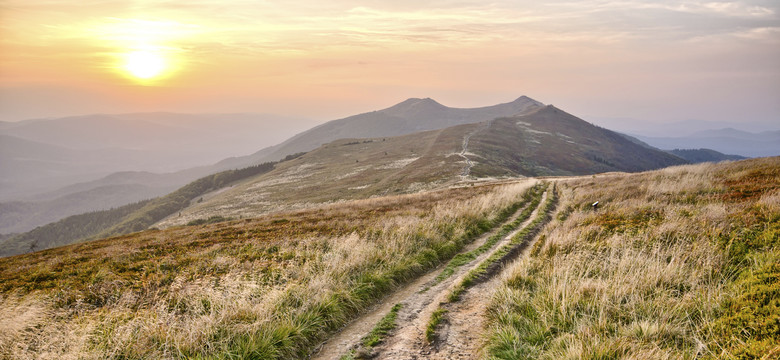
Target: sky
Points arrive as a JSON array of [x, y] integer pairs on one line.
[[651, 61]]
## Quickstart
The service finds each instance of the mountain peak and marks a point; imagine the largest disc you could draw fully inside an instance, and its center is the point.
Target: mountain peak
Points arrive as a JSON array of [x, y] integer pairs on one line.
[[419, 101], [525, 100], [416, 105]]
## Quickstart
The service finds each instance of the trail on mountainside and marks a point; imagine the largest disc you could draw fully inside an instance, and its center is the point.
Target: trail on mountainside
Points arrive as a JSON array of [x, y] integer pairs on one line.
[[469, 163]]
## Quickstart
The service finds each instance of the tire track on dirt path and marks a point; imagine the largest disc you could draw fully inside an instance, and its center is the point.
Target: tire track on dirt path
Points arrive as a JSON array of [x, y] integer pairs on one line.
[[414, 297], [408, 340], [460, 335], [419, 300]]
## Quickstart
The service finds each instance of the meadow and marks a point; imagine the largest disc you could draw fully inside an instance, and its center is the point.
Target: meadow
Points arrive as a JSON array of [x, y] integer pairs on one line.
[[679, 263], [269, 287]]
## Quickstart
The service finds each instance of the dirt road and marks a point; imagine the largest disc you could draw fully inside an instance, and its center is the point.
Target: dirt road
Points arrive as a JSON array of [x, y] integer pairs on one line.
[[459, 338]]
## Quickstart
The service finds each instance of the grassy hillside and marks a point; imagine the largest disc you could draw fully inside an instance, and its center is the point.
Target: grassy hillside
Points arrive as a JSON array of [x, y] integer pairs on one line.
[[696, 156], [408, 117], [543, 142], [18, 216], [124, 219], [550, 141], [676, 263], [256, 289], [342, 170], [679, 263]]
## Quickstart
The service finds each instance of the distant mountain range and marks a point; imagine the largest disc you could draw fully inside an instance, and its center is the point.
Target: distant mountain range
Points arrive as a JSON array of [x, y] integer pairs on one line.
[[41, 156], [536, 141], [71, 158], [727, 141], [547, 142], [677, 128], [410, 116], [695, 156]]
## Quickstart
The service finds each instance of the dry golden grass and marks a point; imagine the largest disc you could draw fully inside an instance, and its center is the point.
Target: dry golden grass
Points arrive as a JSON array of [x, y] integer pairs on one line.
[[258, 288], [345, 169], [676, 263]]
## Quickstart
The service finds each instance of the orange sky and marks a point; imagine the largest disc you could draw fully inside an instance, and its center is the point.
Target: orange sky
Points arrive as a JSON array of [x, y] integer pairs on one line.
[[647, 60]]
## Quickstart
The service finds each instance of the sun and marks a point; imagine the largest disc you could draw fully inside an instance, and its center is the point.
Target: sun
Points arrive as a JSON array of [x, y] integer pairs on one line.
[[145, 64]]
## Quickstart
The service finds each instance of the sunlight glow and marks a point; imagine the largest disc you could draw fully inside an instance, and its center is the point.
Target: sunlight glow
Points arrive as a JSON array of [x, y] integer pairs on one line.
[[145, 64]]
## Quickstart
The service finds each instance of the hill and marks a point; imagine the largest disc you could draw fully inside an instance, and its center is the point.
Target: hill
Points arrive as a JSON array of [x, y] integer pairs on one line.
[[410, 116], [111, 191], [549, 141], [43, 155], [727, 141], [157, 139], [626, 280], [124, 219], [696, 156], [546, 141], [17, 216], [27, 167], [677, 263]]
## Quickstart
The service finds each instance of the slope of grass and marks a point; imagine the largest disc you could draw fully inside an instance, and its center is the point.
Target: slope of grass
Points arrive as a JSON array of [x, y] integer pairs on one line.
[[124, 219], [549, 141], [679, 263], [265, 288], [346, 169]]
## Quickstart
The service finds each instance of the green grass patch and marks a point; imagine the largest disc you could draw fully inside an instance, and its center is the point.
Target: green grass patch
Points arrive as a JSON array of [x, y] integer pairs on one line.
[[433, 324], [521, 237], [531, 199], [378, 333]]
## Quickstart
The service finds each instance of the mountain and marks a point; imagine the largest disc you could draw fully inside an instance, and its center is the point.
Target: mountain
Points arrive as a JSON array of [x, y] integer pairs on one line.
[[121, 220], [410, 116], [543, 141], [549, 141], [28, 167], [68, 173], [75, 151], [696, 156], [536, 140], [727, 141], [19, 216], [43, 155], [111, 191], [682, 128]]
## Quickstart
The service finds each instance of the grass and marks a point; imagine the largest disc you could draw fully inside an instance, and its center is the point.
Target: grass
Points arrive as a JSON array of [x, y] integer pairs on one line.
[[346, 169], [679, 263], [495, 260], [264, 288], [377, 334], [436, 318], [381, 329], [531, 200]]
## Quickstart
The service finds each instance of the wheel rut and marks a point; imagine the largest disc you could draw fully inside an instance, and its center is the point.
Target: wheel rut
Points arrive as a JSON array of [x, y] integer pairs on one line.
[[419, 299]]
